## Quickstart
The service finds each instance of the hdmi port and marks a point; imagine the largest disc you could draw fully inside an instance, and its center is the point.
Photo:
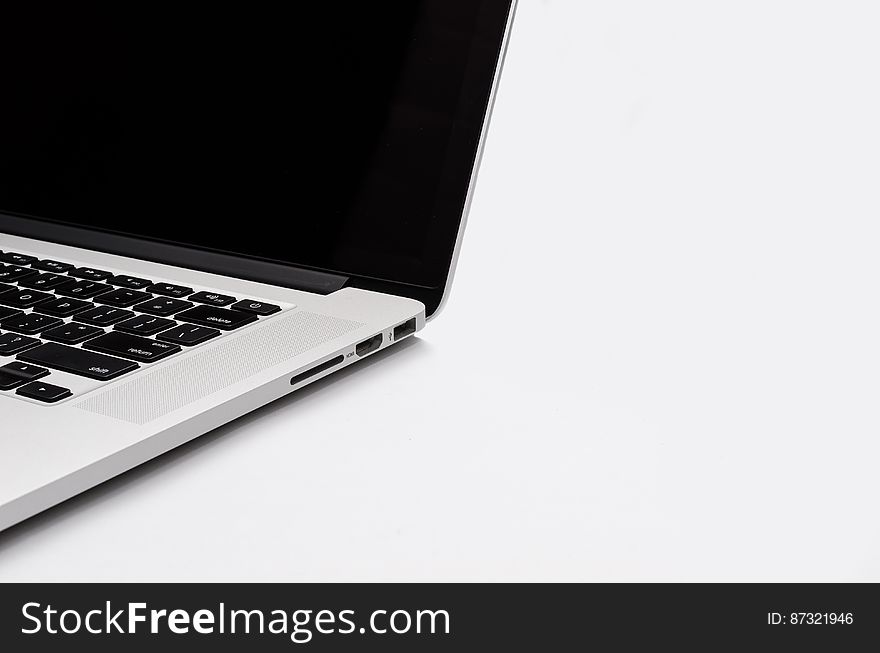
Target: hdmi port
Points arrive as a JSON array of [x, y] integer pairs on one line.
[[369, 346]]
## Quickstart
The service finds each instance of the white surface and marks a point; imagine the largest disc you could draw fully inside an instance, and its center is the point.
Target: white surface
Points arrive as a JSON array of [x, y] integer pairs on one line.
[[684, 197]]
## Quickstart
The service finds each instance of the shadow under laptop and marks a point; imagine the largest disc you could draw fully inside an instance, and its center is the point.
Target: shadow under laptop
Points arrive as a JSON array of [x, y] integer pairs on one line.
[[142, 473]]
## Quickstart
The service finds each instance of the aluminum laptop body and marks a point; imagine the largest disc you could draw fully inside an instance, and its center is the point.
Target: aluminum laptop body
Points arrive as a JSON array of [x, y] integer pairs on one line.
[[200, 214]]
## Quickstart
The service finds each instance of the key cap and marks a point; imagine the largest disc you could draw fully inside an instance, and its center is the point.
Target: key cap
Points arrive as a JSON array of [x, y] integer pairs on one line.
[[188, 335], [43, 392], [102, 316], [5, 287], [10, 381], [169, 290], [90, 274], [8, 312], [16, 374], [126, 281], [83, 289], [132, 347], [11, 343], [52, 266], [72, 334], [45, 281], [77, 361], [219, 318], [24, 371], [160, 306], [29, 324], [23, 298], [122, 297], [259, 308], [14, 273], [145, 325], [62, 307], [17, 259], [211, 298]]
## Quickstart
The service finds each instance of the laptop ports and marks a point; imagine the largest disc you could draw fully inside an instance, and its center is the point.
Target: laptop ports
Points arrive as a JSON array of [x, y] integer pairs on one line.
[[369, 346], [401, 331], [323, 367]]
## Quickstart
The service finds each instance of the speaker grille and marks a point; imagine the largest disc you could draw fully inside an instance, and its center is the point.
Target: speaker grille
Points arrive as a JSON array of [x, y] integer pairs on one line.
[[150, 395]]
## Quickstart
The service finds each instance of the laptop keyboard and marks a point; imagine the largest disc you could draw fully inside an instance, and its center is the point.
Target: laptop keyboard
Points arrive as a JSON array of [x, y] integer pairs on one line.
[[68, 329]]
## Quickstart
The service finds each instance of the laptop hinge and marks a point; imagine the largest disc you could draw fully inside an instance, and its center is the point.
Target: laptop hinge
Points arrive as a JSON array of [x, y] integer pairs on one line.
[[276, 274]]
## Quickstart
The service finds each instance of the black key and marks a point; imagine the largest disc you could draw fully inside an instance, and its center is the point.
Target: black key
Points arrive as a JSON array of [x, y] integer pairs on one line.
[[24, 371], [45, 281], [11, 343], [90, 274], [43, 392], [62, 307], [83, 289], [5, 287], [78, 361], [258, 308], [17, 259], [133, 347], [8, 312], [29, 324], [72, 334], [122, 297], [23, 298], [14, 273], [145, 325], [52, 266], [160, 306], [188, 335], [16, 374], [103, 316], [170, 290], [130, 282], [10, 381], [219, 318], [211, 298]]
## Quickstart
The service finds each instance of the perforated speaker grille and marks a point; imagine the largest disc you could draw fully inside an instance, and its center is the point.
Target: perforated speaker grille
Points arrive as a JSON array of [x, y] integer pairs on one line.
[[153, 394]]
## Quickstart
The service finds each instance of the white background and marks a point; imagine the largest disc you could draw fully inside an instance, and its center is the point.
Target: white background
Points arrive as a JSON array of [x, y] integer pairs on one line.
[[661, 359]]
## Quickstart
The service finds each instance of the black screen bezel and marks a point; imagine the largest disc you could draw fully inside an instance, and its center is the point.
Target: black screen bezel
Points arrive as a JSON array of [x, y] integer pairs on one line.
[[486, 48]]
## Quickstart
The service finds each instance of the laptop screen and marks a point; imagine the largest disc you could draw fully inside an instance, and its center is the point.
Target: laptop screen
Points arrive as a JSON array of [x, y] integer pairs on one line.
[[337, 136]]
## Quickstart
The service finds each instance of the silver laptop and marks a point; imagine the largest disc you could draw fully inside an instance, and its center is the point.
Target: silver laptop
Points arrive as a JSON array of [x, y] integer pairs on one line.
[[204, 211]]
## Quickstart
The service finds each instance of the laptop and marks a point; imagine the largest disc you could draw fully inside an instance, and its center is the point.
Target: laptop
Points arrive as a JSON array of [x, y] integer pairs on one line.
[[203, 211]]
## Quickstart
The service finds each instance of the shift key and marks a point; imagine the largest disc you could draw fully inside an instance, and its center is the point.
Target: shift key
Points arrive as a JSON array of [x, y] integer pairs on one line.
[[77, 361]]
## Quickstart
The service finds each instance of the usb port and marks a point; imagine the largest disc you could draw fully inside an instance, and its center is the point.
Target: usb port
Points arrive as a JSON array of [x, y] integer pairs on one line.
[[403, 330], [369, 346]]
